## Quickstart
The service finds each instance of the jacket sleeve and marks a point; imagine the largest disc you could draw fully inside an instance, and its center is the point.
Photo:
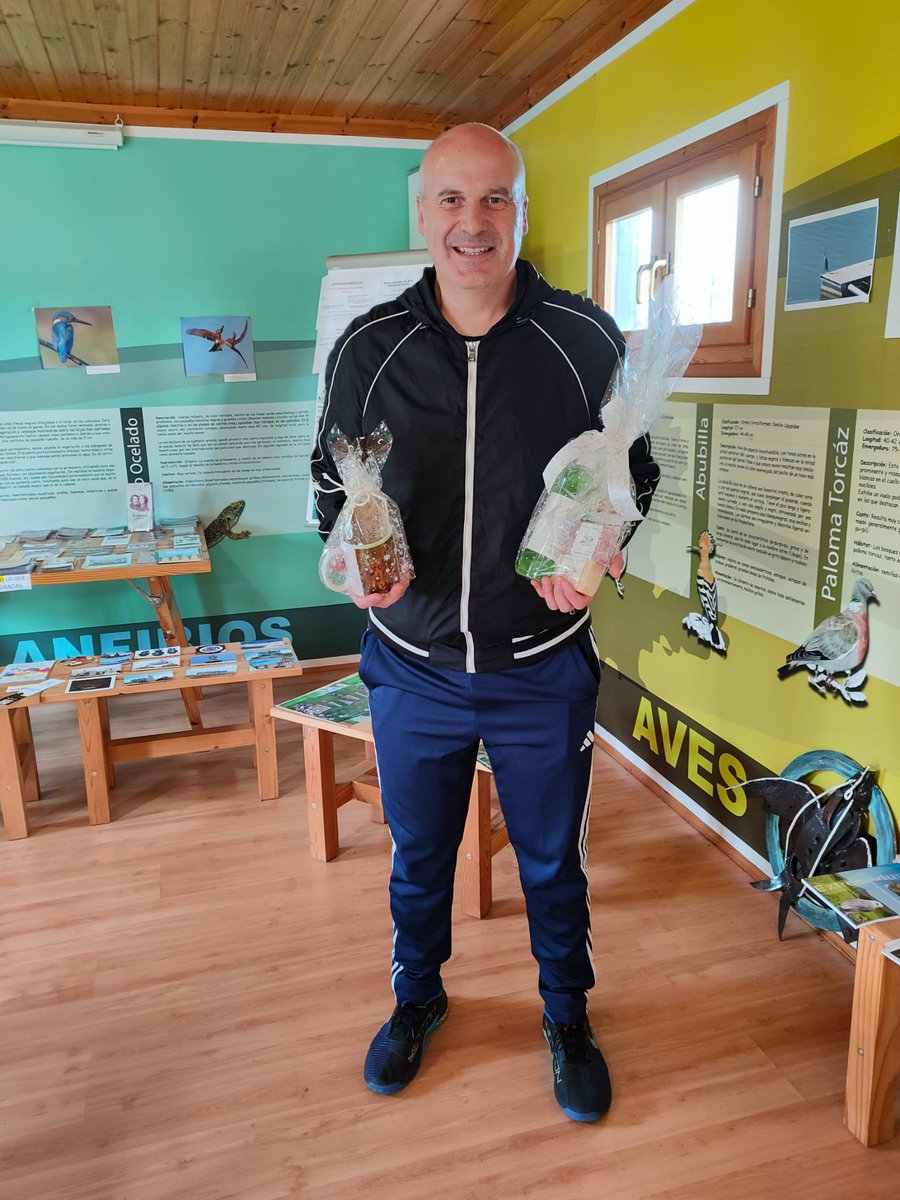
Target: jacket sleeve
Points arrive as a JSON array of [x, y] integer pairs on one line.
[[645, 473], [340, 408]]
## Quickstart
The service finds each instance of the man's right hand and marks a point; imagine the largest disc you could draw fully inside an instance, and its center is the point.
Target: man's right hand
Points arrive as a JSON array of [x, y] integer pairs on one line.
[[381, 599]]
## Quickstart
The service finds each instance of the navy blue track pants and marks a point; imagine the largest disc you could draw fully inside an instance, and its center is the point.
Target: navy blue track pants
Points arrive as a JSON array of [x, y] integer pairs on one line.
[[537, 725]]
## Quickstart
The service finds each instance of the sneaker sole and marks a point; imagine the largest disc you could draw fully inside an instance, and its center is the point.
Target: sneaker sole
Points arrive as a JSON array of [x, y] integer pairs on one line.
[[391, 1089], [581, 1116]]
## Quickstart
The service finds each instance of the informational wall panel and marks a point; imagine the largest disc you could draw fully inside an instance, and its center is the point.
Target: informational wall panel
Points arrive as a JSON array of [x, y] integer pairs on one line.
[[802, 503]]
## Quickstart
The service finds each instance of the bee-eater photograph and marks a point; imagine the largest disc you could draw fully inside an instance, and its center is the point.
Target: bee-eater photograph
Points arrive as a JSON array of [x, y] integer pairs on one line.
[[229, 339]]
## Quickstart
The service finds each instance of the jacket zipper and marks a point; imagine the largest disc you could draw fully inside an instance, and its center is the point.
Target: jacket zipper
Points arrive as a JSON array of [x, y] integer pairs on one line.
[[472, 356]]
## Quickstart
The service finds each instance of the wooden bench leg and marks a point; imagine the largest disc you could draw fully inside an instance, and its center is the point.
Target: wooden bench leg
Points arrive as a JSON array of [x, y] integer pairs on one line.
[[321, 803], [93, 755], [873, 1062], [21, 724], [173, 632], [259, 693], [476, 892], [12, 780], [103, 707]]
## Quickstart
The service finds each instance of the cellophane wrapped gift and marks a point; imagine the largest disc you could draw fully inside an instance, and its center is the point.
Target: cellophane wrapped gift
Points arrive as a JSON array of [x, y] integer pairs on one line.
[[366, 551], [587, 508]]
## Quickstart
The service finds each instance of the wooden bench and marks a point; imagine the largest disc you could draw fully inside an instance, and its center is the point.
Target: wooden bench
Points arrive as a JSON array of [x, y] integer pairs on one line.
[[485, 831], [873, 1060], [100, 751]]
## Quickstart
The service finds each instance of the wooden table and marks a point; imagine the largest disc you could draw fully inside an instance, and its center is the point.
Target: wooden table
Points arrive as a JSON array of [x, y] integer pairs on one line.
[[485, 831], [100, 751], [159, 592], [873, 1060]]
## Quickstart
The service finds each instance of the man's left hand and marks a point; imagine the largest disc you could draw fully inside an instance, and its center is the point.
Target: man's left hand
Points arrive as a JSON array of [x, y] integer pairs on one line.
[[560, 595]]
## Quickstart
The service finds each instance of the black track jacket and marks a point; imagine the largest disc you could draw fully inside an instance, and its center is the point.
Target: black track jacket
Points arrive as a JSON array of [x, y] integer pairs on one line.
[[474, 422]]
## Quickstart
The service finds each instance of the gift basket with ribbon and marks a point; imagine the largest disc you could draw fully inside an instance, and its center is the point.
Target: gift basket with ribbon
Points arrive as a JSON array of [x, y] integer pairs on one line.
[[588, 506], [366, 551]]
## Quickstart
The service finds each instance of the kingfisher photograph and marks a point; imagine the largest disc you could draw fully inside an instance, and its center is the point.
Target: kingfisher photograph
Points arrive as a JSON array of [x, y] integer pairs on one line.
[[76, 337], [217, 346]]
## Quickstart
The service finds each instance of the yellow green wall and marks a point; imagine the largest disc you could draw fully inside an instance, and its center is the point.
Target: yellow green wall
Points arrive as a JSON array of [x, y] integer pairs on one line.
[[843, 145], [841, 61]]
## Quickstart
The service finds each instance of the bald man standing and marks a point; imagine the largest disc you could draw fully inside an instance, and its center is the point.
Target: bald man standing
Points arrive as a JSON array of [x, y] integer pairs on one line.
[[481, 371]]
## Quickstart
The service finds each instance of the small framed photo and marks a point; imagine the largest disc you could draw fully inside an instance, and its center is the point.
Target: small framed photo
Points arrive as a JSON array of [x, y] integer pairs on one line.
[[91, 683]]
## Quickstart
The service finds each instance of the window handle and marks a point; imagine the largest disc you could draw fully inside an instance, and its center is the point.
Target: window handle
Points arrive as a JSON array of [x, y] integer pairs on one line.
[[652, 268]]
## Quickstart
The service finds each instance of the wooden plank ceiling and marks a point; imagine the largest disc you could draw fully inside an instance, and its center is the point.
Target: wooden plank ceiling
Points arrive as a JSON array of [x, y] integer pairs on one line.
[[388, 68]]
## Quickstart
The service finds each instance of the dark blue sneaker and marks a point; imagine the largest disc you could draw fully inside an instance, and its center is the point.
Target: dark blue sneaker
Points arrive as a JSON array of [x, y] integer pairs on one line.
[[580, 1077], [396, 1049]]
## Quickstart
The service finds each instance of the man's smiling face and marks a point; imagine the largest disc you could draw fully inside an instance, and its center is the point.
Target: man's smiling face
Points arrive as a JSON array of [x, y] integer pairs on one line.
[[472, 210]]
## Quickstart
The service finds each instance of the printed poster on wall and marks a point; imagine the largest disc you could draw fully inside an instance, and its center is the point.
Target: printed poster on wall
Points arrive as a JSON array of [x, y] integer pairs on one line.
[[657, 551], [803, 503], [831, 256], [72, 466]]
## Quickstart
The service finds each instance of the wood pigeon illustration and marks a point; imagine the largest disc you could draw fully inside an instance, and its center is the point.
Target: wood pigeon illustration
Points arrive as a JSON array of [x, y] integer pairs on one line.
[[837, 646], [705, 625]]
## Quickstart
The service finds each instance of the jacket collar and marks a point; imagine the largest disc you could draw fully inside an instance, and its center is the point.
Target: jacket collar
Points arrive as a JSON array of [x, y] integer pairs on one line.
[[420, 299]]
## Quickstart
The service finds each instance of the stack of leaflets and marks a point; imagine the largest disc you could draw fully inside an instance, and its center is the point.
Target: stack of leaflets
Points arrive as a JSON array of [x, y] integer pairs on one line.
[[33, 672], [34, 535], [18, 566], [216, 661], [68, 532], [152, 660], [96, 560], [273, 658], [862, 896], [346, 702], [116, 661], [179, 555], [148, 677], [58, 564]]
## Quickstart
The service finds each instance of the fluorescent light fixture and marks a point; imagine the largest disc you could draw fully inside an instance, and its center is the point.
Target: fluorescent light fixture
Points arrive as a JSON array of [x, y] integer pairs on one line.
[[45, 133]]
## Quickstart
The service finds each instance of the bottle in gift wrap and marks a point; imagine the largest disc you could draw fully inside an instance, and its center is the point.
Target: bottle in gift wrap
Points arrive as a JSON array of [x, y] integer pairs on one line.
[[593, 548], [370, 552], [366, 551], [555, 522]]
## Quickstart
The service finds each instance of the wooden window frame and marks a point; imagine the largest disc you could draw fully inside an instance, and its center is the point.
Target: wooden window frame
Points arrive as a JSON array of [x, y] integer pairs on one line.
[[748, 146]]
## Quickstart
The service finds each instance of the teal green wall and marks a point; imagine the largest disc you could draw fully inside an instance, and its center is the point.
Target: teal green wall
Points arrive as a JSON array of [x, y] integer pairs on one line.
[[166, 228]]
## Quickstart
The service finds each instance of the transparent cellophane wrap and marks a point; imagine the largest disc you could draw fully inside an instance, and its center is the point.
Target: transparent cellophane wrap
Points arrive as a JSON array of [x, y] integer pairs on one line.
[[587, 508], [366, 551]]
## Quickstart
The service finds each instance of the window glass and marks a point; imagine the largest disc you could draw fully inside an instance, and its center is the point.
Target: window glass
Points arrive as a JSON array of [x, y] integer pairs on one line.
[[706, 228], [628, 246]]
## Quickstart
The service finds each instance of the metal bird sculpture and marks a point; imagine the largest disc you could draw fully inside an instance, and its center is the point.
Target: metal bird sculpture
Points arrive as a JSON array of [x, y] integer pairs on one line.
[[837, 646], [824, 832], [705, 625], [62, 335]]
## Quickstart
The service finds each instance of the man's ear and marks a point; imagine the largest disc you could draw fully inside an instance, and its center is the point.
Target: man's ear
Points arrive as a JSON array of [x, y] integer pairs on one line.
[[525, 216], [421, 215]]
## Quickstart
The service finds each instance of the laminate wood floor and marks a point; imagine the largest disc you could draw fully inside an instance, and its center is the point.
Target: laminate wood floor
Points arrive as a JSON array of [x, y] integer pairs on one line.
[[186, 999]]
